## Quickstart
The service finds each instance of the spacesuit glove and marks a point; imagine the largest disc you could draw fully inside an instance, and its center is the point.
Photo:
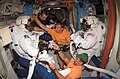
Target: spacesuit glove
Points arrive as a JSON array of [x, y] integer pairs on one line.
[[51, 44], [75, 35], [77, 41], [81, 33], [46, 57], [72, 37]]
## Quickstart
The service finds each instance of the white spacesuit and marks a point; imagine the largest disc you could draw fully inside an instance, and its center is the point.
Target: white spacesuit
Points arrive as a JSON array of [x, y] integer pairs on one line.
[[23, 40], [25, 43], [89, 40]]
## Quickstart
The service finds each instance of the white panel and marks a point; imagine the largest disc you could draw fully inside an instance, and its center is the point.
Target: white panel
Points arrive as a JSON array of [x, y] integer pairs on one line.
[[6, 68], [6, 37], [9, 55]]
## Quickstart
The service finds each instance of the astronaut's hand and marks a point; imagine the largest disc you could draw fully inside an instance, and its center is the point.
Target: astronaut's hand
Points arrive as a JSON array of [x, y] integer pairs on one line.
[[35, 18], [72, 37], [46, 57], [81, 33], [51, 44], [72, 28], [52, 66], [56, 47], [71, 25]]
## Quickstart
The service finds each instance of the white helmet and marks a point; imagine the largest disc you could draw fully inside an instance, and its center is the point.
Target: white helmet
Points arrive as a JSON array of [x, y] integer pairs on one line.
[[89, 20], [22, 20]]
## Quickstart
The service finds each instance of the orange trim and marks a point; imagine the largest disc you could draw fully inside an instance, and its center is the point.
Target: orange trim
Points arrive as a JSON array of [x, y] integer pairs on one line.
[[68, 3], [111, 33]]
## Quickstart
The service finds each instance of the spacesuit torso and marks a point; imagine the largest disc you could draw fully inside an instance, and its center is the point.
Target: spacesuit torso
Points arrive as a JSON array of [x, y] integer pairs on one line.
[[100, 32], [91, 40], [87, 43], [24, 43]]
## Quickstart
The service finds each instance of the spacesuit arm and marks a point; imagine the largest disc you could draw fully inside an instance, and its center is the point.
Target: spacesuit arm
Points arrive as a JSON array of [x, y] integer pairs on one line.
[[27, 46], [88, 42]]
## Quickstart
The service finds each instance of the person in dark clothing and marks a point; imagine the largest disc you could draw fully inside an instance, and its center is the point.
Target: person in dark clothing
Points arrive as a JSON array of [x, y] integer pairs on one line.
[[43, 18]]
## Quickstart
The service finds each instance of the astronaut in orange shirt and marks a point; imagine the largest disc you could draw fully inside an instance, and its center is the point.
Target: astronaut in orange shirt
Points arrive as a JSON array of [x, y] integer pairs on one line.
[[73, 68], [60, 35]]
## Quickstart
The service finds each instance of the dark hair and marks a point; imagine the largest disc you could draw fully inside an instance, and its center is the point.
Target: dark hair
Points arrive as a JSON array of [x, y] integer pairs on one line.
[[45, 12], [30, 26], [59, 23]]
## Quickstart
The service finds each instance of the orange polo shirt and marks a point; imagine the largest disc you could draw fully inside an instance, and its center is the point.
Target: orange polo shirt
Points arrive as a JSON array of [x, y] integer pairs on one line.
[[76, 71], [61, 38]]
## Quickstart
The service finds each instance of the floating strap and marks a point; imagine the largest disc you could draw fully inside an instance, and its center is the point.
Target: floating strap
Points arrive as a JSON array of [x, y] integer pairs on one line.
[[31, 68]]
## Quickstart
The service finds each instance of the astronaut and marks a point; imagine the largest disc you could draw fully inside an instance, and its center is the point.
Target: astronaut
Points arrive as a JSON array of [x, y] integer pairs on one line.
[[90, 39], [25, 43], [23, 38]]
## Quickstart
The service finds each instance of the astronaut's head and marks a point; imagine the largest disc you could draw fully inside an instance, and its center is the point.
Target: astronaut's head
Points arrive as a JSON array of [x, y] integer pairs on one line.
[[59, 27], [86, 27], [29, 27], [88, 22], [44, 14], [22, 20], [25, 22]]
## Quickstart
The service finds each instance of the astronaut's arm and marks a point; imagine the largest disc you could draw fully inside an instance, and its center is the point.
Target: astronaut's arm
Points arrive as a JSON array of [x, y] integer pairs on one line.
[[39, 23], [88, 42], [27, 46]]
